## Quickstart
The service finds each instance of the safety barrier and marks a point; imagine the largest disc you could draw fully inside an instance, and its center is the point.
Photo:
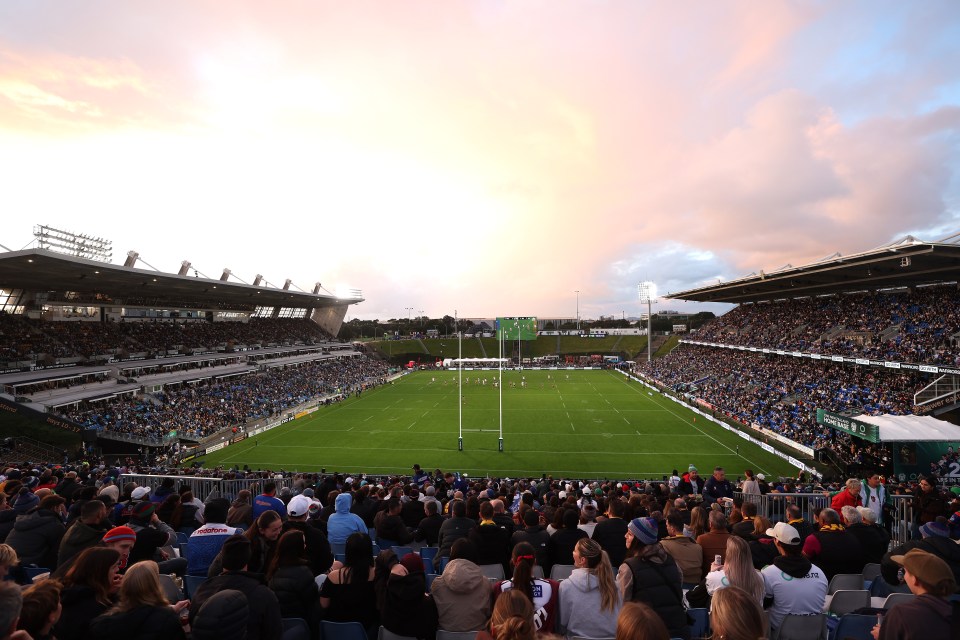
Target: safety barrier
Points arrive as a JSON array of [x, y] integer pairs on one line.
[[203, 487], [774, 507]]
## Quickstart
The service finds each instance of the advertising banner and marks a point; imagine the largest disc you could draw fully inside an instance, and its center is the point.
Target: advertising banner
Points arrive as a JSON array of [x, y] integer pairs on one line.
[[913, 459], [854, 427]]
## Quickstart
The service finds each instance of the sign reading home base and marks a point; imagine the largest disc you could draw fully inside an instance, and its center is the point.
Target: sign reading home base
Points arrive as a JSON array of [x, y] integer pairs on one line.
[[854, 427]]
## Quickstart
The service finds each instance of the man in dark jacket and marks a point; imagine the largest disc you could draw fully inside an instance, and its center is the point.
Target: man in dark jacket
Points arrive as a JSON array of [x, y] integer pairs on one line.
[[429, 528], [390, 526], [492, 542], [68, 486], [36, 536], [458, 526], [411, 511], [872, 537], [364, 506], [538, 538], [609, 533], [264, 622], [502, 518], [717, 487], [692, 483], [317, 546], [87, 531]]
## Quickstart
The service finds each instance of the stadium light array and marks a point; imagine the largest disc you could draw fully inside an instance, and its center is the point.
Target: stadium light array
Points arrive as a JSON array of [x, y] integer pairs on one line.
[[74, 244]]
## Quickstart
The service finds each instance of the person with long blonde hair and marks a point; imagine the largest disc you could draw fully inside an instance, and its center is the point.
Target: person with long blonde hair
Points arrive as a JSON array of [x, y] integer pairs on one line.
[[142, 611], [735, 615], [589, 599], [638, 621], [737, 570], [512, 618]]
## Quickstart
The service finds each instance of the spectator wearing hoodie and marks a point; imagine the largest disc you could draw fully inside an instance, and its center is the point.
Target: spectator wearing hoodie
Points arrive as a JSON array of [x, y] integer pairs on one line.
[[151, 535], [36, 536], [795, 585], [589, 599], [462, 592], [342, 522]]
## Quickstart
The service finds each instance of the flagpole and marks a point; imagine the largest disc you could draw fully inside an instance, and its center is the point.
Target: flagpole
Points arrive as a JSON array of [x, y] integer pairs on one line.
[[459, 378]]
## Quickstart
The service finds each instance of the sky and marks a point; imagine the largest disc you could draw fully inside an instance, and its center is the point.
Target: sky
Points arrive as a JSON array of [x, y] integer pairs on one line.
[[488, 157]]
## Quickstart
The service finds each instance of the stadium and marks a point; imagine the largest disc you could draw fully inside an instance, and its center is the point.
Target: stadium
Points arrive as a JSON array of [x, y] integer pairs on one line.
[[843, 368]]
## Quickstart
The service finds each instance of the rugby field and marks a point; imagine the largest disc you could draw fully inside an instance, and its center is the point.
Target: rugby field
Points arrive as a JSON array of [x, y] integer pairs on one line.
[[588, 424]]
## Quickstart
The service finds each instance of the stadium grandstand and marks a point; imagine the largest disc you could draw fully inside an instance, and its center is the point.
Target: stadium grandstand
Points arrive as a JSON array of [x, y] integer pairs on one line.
[[141, 361], [871, 334]]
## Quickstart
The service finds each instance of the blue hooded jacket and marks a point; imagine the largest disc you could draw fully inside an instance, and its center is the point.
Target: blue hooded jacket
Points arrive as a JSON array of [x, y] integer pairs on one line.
[[342, 523]]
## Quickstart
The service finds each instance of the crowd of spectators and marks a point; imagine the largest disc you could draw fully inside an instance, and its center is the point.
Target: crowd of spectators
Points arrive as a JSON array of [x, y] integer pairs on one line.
[[918, 326], [24, 339], [782, 393], [621, 542], [196, 411]]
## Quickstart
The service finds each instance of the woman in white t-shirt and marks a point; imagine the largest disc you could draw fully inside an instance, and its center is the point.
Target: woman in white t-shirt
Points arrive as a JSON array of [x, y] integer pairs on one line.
[[737, 571]]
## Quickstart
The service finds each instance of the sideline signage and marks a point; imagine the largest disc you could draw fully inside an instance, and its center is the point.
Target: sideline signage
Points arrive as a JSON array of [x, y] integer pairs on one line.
[[865, 430]]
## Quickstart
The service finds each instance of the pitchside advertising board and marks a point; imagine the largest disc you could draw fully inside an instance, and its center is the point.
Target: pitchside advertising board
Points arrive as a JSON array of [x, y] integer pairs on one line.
[[517, 328]]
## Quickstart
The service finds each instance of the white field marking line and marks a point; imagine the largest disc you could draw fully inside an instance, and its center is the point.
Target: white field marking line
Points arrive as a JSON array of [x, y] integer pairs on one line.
[[529, 433], [350, 429], [692, 424], [411, 425], [367, 418]]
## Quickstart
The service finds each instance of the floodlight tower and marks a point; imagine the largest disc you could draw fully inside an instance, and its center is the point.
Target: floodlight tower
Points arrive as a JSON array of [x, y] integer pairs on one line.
[[648, 295]]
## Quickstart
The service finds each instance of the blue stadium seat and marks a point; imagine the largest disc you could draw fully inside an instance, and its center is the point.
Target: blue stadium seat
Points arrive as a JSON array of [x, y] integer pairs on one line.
[[342, 630]]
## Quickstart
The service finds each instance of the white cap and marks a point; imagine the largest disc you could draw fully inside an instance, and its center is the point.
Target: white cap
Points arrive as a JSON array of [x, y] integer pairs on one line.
[[140, 492], [785, 533], [298, 506], [760, 476]]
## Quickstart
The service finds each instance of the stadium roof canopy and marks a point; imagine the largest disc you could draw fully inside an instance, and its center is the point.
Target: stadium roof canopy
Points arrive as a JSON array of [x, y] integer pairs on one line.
[[913, 428], [103, 283], [906, 263]]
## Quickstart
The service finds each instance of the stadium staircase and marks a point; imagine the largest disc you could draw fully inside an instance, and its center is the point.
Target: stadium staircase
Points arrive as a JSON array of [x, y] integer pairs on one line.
[[798, 330], [558, 346], [833, 333], [616, 344], [27, 450], [889, 332], [482, 350]]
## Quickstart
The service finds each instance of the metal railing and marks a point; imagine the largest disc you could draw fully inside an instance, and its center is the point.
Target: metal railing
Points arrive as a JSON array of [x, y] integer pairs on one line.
[[203, 487], [774, 507]]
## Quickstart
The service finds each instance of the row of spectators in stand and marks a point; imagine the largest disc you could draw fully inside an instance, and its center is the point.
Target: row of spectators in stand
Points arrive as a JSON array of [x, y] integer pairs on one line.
[[916, 326], [201, 410], [22, 339], [619, 543], [782, 393]]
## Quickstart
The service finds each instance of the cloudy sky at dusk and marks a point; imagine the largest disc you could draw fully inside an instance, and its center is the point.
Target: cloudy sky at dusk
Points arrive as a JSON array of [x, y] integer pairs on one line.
[[489, 156]]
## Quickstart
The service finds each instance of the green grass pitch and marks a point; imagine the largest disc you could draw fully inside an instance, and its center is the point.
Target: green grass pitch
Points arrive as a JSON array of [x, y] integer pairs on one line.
[[588, 424]]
